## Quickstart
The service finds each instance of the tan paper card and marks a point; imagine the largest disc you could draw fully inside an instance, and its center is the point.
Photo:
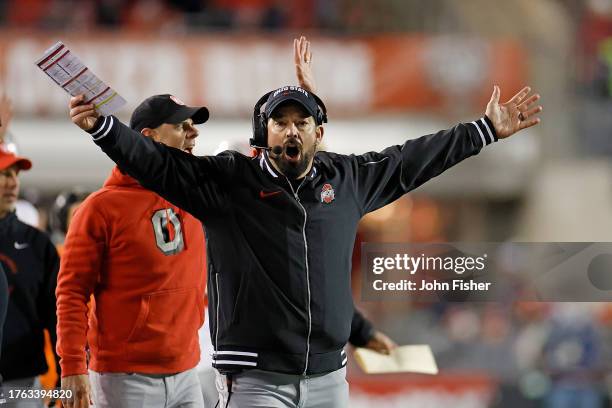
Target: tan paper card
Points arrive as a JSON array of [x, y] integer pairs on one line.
[[404, 359]]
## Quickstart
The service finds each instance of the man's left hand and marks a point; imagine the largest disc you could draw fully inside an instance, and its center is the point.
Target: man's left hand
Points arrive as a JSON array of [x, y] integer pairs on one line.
[[516, 114], [381, 343]]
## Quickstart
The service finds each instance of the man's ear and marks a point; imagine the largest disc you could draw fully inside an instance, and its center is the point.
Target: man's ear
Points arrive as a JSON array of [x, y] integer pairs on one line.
[[319, 135], [148, 132]]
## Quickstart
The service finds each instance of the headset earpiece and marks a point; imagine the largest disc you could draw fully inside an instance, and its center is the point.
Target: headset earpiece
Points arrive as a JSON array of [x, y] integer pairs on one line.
[[260, 125], [321, 110]]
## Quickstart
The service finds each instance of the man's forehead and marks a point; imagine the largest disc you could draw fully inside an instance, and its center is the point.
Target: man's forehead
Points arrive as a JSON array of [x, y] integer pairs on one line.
[[187, 121]]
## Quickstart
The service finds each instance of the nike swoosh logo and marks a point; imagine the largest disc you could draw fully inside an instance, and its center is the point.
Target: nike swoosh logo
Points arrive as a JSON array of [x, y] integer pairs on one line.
[[263, 194], [21, 246]]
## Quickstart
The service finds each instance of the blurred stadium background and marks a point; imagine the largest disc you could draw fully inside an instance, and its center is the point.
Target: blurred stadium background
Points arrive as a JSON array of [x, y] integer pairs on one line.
[[388, 70]]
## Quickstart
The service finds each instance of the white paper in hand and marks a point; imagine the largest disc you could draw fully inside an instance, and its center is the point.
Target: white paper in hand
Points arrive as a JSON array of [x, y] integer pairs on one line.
[[405, 359], [67, 70]]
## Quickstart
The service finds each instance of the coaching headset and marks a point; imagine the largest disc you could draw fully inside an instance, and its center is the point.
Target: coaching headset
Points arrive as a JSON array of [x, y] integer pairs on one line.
[[267, 103]]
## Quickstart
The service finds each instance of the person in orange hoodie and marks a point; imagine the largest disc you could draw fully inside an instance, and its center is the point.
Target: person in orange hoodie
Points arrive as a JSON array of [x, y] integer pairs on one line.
[[143, 260]]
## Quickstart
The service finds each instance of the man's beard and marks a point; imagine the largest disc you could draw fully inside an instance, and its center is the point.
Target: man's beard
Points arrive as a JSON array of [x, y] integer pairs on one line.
[[294, 170]]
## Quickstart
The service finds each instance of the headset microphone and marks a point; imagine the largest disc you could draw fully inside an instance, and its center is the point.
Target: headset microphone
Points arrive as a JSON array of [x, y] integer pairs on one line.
[[276, 149]]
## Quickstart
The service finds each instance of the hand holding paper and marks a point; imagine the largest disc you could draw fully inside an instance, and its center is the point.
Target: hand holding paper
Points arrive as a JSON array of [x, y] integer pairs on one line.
[[410, 359], [83, 115], [381, 343]]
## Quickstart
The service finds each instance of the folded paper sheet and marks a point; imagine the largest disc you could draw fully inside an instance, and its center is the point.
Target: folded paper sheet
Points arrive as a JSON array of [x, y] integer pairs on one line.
[[404, 359]]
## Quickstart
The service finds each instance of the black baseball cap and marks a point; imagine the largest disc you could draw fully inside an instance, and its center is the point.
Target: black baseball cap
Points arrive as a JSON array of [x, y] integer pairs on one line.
[[159, 109], [292, 93]]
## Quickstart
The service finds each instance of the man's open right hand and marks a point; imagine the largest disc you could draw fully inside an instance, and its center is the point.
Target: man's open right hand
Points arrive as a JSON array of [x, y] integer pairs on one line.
[[302, 57], [80, 388], [83, 115]]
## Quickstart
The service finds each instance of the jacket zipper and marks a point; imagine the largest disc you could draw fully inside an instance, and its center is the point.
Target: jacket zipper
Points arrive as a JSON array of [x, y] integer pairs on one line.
[[297, 198]]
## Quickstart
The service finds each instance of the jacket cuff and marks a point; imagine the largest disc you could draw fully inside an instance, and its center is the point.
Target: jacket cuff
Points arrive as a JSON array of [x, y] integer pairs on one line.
[[484, 132], [101, 128], [73, 367], [360, 336]]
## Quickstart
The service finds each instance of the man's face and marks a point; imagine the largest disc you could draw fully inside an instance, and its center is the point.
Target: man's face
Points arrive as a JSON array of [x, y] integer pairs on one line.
[[181, 135], [296, 132], [9, 189]]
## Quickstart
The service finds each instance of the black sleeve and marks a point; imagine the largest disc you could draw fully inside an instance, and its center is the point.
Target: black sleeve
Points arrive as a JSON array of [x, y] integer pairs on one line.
[[380, 178], [3, 302], [361, 329], [189, 182], [46, 303]]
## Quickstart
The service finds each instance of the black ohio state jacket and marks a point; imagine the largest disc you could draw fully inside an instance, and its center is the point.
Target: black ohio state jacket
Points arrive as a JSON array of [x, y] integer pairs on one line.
[[279, 252], [30, 263]]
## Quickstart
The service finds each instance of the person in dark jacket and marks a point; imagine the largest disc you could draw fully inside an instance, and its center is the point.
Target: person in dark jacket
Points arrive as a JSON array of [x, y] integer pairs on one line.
[[3, 305], [281, 228], [5, 115], [30, 264]]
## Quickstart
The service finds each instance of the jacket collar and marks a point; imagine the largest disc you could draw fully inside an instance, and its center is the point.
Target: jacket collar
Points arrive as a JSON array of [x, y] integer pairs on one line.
[[8, 220], [266, 166]]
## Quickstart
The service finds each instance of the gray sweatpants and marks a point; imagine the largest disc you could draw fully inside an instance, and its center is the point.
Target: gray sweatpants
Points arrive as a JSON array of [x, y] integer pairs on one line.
[[257, 388], [123, 390], [209, 389]]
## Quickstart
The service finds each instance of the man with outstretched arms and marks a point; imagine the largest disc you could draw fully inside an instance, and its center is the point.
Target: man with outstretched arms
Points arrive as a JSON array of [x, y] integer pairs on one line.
[[280, 232]]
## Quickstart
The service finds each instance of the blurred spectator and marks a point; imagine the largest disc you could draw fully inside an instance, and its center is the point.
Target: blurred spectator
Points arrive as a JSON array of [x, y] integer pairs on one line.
[[27, 213], [572, 355], [25, 210], [252, 14], [4, 294], [26, 13], [31, 264], [183, 15], [596, 54], [109, 13], [153, 16], [62, 212]]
